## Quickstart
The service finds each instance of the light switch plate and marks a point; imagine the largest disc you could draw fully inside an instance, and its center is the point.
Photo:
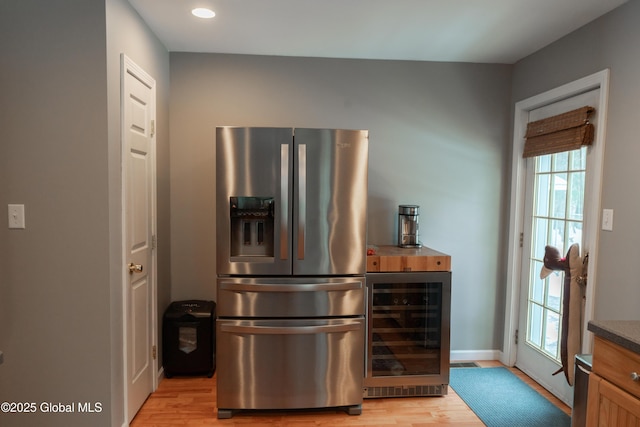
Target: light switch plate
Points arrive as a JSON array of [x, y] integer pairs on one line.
[[607, 219], [16, 216]]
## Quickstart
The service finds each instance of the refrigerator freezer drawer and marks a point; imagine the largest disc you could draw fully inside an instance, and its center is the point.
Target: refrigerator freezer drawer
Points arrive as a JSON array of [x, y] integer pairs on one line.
[[290, 363], [291, 297]]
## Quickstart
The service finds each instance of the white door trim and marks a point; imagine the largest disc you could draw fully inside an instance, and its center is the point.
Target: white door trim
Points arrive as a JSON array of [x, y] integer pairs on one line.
[[128, 66], [516, 218]]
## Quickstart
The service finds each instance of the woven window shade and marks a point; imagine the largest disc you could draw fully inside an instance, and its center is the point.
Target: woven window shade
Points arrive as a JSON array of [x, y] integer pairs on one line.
[[564, 132]]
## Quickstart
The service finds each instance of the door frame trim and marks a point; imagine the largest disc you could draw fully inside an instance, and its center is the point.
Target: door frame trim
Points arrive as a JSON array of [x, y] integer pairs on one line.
[[599, 80], [129, 66]]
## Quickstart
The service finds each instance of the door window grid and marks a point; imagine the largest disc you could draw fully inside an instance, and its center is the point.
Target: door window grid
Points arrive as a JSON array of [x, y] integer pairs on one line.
[[557, 221]]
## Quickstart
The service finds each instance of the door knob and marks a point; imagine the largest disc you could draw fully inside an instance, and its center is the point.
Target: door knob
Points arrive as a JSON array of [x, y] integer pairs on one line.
[[135, 268]]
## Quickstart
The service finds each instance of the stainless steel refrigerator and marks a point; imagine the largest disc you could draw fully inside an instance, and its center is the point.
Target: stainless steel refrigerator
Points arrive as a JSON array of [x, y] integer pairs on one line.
[[291, 207]]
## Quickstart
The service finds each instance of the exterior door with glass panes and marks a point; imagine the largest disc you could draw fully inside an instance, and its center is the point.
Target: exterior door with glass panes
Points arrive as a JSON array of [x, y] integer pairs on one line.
[[554, 215]]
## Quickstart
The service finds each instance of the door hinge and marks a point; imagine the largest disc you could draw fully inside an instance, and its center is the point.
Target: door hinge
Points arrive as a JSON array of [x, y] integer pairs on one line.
[[516, 337], [153, 128], [154, 242], [521, 239], [154, 352]]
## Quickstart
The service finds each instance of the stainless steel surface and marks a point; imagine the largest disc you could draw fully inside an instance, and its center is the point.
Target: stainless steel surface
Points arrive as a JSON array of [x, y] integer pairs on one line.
[[412, 210], [583, 364], [302, 197], [408, 226], [259, 370], [335, 202], [291, 257], [324, 184], [288, 329], [249, 164], [284, 201], [135, 268], [291, 297]]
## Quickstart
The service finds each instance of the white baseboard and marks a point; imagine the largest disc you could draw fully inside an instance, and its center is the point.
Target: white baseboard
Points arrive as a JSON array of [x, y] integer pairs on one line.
[[160, 375], [472, 355]]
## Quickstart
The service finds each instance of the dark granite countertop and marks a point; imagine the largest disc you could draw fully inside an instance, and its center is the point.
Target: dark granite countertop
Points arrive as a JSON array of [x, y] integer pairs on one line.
[[625, 333]]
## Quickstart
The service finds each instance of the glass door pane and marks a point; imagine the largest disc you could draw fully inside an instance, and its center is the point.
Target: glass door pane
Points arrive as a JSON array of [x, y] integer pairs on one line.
[[557, 221], [406, 329]]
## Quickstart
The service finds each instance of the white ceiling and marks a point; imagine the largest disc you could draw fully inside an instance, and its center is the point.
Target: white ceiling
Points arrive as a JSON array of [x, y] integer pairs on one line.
[[482, 31]]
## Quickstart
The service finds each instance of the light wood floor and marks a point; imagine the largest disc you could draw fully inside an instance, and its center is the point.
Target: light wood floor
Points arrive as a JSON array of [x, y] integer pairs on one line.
[[191, 402]]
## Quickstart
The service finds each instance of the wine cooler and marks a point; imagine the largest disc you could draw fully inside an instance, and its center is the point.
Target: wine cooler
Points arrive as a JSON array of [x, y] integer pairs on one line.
[[408, 318]]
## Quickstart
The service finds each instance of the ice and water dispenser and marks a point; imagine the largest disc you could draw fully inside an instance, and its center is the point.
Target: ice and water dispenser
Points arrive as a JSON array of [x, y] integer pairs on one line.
[[252, 226]]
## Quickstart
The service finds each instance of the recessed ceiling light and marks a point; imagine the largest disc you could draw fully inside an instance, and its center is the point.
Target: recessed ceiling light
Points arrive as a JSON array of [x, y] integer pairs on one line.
[[202, 12]]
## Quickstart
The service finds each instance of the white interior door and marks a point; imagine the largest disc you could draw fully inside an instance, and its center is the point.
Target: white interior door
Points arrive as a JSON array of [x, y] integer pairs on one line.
[[554, 215], [138, 108]]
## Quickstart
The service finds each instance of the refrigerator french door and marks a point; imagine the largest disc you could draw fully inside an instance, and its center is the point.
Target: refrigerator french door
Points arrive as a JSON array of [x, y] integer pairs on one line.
[[291, 257], [291, 201]]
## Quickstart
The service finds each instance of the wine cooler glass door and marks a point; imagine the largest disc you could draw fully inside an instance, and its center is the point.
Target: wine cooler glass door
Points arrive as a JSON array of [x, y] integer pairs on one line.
[[408, 326]]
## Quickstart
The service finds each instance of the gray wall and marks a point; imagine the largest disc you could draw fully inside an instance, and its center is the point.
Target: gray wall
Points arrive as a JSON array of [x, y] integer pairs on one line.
[[60, 278], [610, 42], [55, 273], [439, 138]]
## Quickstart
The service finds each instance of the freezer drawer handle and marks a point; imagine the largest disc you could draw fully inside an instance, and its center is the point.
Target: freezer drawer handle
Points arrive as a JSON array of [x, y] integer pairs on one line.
[[300, 287], [290, 330]]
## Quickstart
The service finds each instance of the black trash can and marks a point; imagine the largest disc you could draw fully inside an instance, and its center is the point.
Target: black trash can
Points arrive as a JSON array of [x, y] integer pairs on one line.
[[188, 338]]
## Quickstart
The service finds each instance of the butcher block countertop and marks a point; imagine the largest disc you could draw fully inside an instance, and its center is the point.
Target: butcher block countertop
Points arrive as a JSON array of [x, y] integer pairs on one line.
[[393, 258]]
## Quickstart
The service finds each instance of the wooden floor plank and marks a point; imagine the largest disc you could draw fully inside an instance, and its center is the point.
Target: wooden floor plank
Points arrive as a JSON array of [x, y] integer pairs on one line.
[[191, 402]]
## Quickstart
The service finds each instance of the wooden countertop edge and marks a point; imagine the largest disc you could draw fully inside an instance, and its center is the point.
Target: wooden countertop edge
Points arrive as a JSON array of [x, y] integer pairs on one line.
[[390, 258]]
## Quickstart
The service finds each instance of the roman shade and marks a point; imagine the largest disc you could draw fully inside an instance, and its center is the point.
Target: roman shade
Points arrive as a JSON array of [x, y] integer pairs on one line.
[[564, 132]]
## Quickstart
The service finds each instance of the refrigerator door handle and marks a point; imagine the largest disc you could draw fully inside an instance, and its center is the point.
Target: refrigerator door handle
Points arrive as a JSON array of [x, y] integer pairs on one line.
[[284, 201], [298, 287], [289, 330], [302, 198]]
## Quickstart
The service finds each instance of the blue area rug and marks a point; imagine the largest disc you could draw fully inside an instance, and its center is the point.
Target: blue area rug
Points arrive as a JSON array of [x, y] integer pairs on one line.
[[501, 399]]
